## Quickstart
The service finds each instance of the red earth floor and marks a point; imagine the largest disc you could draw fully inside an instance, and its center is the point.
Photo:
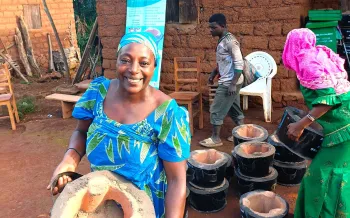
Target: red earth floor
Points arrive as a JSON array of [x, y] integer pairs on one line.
[[29, 155]]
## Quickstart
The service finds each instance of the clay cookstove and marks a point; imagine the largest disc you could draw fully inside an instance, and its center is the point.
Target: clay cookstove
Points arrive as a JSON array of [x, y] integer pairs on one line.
[[282, 153], [209, 200], [254, 158], [290, 174], [309, 142], [246, 183], [249, 132], [260, 204], [102, 194], [208, 166]]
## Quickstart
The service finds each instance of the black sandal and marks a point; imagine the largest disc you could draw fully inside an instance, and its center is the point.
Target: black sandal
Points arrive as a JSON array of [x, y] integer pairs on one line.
[[72, 175]]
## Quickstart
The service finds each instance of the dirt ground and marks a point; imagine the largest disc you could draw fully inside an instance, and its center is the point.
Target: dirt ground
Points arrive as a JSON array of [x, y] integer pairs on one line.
[[29, 155]]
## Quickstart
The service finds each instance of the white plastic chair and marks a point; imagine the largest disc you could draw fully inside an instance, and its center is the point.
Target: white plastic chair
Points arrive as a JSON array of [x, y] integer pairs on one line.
[[266, 66]]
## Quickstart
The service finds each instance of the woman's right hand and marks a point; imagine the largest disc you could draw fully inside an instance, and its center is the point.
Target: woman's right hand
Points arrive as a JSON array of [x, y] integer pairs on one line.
[[63, 180]]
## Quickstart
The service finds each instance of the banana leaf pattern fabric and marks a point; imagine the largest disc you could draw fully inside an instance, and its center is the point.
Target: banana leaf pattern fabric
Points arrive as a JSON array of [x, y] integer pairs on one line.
[[135, 151]]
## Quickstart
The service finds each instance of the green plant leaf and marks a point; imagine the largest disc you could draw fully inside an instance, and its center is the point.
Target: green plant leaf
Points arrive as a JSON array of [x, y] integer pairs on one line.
[[25, 105]]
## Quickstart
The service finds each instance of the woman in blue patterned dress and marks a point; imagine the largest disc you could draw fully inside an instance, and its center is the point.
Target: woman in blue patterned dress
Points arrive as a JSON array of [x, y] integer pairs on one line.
[[132, 129]]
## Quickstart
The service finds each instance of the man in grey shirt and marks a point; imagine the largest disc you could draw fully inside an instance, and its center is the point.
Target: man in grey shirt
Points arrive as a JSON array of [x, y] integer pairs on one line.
[[229, 67]]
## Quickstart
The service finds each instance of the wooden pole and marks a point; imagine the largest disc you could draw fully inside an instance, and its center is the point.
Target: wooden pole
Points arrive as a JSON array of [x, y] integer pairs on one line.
[[28, 46], [51, 66], [86, 54], [7, 47], [22, 52], [4, 46], [14, 67], [66, 73]]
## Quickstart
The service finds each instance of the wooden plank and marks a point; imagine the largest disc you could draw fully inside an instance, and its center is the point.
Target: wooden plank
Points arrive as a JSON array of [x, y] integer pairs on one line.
[[22, 52], [67, 109], [187, 80], [187, 70], [172, 11], [28, 46], [31, 14], [27, 15], [186, 59], [7, 47], [63, 97], [86, 54], [36, 17], [187, 11], [14, 67], [51, 65]]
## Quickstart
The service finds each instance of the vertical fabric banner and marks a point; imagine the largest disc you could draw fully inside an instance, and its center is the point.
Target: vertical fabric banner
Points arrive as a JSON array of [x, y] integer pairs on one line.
[[148, 16]]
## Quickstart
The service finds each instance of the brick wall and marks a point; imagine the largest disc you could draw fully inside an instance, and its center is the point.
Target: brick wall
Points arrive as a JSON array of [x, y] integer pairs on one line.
[[62, 13], [259, 25], [322, 4]]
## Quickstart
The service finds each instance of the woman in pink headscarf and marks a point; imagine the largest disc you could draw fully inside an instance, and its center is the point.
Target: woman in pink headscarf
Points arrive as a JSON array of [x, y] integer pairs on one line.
[[325, 189]]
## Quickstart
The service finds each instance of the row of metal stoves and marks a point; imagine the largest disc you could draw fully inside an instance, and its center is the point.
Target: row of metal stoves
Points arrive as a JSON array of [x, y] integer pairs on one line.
[[257, 163]]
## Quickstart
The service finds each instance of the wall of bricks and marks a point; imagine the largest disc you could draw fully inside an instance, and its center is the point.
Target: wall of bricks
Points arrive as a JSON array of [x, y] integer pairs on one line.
[[258, 24], [62, 13], [323, 4]]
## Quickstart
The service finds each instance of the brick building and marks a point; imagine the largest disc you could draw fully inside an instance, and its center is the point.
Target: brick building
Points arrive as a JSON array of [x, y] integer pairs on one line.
[[38, 24], [258, 24]]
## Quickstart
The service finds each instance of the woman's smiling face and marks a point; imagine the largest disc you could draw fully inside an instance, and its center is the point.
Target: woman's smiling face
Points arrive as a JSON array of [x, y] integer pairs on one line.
[[135, 67]]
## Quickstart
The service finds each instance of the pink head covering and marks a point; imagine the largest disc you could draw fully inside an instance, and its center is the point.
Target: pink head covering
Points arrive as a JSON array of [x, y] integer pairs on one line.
[[317, 67]]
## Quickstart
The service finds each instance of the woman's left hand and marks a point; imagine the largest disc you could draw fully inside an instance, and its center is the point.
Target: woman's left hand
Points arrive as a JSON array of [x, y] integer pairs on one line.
[[295, 130]]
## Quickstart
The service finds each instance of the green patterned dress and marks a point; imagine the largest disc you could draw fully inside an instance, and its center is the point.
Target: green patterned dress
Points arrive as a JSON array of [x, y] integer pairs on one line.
[[325, 189], [135, 151]]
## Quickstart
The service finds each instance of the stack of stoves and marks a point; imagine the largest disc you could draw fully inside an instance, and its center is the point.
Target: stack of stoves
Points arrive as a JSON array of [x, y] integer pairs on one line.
[[206, 174]]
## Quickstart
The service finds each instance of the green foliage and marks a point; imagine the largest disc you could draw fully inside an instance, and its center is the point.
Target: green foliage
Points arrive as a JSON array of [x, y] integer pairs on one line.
[[25, 105], [83, 38], [85, 15]]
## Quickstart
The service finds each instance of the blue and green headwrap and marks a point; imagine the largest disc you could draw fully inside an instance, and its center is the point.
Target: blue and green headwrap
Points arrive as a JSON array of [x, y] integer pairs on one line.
[[144, 38]]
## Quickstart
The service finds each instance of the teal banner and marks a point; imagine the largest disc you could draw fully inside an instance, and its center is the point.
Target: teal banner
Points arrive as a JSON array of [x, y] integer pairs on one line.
[[148, 16]]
